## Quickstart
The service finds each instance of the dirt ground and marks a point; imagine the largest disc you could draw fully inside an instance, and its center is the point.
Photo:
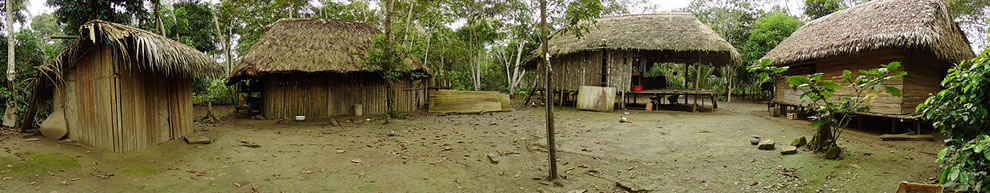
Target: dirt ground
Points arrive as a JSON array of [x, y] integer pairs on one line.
[[663, 151]]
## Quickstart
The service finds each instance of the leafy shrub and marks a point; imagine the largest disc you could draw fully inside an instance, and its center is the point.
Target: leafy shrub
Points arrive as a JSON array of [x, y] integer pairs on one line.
[[831, 115], [215, 92], [960, 112]]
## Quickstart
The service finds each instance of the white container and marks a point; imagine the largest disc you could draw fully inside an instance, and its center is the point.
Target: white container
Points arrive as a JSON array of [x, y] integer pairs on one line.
[[300, 118]]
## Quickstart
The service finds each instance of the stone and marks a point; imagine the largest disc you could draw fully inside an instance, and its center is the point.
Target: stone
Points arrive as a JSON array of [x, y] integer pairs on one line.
[[800, 142], [493, 158], [833, 153], [198, 139], [9, 118], [766, 145], [259, 117], [334, 122], [786, 150], [755, 139]]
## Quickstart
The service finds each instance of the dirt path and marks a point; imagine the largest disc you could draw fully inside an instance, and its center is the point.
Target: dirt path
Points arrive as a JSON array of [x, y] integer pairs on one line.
[[664, 151]]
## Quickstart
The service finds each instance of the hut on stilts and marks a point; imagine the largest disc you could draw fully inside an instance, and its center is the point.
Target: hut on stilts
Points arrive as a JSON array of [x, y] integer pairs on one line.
[[918, 33], [120, 88], [619, 50], [314, 68]]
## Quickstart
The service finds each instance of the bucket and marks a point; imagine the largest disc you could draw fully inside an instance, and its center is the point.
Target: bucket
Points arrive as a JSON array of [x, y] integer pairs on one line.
[[649, 107], [358, 109], [637, 88]]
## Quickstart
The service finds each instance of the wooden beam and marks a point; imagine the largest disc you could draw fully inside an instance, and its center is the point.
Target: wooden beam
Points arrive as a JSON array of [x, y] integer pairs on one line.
[[906, 137], [64, 37]]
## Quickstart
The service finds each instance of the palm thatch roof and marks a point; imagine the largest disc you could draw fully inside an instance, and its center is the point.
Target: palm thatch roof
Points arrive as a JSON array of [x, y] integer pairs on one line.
[[663, 32], [878, 24], [145, 50], [293, 45]]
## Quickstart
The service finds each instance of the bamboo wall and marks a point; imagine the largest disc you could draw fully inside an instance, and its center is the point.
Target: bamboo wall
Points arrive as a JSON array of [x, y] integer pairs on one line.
[[112, 107], [572, 71], [317, 96], [924, 75]]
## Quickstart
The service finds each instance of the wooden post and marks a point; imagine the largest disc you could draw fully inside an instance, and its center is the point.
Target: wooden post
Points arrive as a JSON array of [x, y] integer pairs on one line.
[[623, 100], [697, 88], [893, 126], [917, 126], [551, 146], [728, 93], [859, 122]]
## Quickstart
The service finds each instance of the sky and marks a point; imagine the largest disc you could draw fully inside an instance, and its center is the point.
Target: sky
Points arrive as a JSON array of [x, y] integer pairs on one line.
[[795, 7]]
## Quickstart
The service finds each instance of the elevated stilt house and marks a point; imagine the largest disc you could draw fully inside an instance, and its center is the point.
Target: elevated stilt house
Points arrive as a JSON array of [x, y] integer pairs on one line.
[[314, 68], [620, 49], [918, 33], [121, 89]]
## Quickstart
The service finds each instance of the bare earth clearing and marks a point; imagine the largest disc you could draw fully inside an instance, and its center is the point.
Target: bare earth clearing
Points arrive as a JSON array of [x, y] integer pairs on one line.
[[665, 151]]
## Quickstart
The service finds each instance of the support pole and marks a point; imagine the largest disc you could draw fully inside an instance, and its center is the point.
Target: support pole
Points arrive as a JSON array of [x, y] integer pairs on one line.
[[551, 146], [697, 88]]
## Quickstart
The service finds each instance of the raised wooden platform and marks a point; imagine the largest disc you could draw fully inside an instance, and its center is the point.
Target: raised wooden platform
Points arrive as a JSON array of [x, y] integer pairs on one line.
[[661, 93], [894, 118]]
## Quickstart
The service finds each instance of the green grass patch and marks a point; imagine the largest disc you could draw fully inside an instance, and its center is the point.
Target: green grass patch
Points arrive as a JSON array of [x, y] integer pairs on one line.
[[37, 164]]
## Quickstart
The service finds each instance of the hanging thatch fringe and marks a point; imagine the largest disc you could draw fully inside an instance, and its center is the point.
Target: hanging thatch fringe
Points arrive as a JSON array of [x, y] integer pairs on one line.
[[144, 50], [924, 24], [673, 31], [311, 45]]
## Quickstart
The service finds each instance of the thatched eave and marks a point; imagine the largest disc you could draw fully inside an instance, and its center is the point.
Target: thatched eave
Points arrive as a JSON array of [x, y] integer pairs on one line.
[[879, 24], [664, 32], [296, 45]]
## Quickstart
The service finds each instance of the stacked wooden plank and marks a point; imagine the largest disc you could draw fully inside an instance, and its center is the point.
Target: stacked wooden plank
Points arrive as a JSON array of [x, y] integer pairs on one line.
[[451, 101], [596, 98]]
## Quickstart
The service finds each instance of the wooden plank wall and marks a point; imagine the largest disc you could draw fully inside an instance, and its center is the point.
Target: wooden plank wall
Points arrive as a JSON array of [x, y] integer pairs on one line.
[[620, 65], [572, 71], [129, 111], [316, 96], [833, 66], [924, 78]]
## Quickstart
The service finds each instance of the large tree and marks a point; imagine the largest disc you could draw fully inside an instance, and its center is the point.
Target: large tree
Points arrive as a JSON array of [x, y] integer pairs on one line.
[[73, 13], [767, 32]]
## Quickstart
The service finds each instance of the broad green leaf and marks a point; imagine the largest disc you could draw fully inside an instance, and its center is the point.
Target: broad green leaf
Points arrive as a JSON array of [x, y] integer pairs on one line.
[[941, 154], [954, 173], [893, 65], [963, 177], [894, 91], [797, 80]]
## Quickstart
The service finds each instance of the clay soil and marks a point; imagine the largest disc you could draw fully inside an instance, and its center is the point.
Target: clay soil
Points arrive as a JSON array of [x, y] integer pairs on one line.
[[662, 151]]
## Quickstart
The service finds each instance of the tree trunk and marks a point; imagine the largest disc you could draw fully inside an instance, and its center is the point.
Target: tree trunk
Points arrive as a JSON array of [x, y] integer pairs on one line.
[[11, 71], [405, 36], [175, 24], [390, 92], [158, 17], [516, 76], [823, 139]]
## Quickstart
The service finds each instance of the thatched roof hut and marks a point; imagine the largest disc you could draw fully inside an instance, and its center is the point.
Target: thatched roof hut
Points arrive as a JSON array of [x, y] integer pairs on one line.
[[617, 51], [875, 25], [120, 88], [314, 68], [664, 32], [146, 51], [918, 33], [293, 45]]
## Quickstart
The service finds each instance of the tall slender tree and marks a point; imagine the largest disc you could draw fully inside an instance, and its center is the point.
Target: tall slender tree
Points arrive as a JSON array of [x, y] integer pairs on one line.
[[10, 51]]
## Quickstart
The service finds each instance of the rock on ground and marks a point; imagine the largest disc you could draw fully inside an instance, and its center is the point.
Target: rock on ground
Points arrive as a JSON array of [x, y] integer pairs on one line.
[[788, 150], [766, 145]]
